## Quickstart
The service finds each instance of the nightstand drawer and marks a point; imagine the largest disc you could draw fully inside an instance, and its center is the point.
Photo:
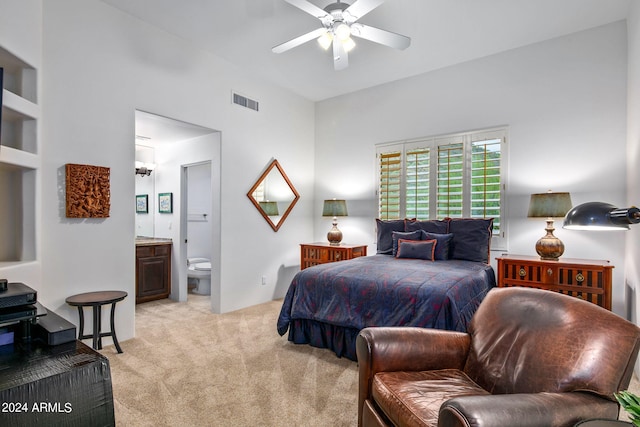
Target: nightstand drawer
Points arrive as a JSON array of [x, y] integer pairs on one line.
[[320, 253], [586, 279]]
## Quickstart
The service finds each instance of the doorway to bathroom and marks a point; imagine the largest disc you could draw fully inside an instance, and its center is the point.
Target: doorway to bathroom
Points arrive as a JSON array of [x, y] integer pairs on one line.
[[198, 203], [171, 145]]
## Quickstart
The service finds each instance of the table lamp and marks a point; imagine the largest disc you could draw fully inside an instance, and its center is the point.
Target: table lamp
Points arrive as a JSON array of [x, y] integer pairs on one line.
[[334, 208], [549, 205]]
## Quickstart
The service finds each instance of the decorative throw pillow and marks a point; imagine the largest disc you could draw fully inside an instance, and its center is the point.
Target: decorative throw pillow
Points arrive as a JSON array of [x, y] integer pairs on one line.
[[471, 238], [397, 235], [430, 226], [443, 245], [383, 231], [421, 249]]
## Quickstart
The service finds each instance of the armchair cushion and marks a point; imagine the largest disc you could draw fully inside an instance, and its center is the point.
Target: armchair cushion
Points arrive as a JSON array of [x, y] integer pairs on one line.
[[413, 398]]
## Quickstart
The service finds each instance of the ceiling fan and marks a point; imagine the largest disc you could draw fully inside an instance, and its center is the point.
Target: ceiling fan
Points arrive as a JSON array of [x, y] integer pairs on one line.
[[338, 25]]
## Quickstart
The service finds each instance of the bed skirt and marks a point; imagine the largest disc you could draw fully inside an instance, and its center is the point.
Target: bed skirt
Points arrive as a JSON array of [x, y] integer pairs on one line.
[[340, 339]]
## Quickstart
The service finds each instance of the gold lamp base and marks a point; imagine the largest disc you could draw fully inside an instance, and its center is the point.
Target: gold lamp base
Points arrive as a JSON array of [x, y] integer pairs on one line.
[[334, 235], [549, 247]]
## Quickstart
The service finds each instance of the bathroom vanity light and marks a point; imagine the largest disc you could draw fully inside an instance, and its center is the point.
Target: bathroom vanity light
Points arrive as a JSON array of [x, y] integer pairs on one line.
[[144, 169]]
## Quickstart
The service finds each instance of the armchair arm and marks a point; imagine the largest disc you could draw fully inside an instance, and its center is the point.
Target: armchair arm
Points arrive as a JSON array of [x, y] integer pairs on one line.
[[406, 349], [524, 410]]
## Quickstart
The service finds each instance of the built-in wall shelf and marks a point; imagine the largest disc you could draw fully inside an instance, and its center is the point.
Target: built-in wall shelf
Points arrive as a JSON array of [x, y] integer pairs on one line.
[[15, 107], [13, 158], [20, 164], [20, 77]]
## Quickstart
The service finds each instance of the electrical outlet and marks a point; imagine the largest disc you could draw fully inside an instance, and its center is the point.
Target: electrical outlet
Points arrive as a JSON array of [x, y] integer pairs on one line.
[[264, 280]]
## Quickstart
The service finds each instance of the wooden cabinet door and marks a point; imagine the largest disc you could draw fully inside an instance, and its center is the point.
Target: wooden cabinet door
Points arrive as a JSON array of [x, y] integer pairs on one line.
[[153, 272]]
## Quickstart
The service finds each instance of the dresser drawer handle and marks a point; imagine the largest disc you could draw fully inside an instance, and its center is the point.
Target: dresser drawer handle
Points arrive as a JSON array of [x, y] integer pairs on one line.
[[549, 272], [579, 278], [522, 272]]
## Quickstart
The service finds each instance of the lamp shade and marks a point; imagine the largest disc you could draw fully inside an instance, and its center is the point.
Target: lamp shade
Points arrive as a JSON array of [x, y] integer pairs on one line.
[[549, 205], [270, 208], [334, 207], [600, 216]]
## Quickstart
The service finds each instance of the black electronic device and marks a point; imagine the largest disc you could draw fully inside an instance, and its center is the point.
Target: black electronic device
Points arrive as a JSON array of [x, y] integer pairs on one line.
[[17, 294], [54, 330]]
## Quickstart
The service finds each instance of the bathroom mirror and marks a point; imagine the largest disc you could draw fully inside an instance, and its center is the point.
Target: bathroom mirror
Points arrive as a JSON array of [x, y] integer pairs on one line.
[[273, 195]]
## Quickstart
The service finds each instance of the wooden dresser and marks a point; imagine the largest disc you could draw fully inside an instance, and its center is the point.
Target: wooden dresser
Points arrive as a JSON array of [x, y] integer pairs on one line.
[[320, 253], [582, 278], [153, 269]]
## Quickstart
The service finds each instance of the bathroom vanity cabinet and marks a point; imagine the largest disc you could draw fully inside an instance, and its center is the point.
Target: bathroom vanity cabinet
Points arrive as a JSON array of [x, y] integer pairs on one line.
[[153, 269]]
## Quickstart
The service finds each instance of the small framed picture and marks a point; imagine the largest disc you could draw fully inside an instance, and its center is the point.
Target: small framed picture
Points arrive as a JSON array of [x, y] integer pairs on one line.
[[142, 203], [165, 202]]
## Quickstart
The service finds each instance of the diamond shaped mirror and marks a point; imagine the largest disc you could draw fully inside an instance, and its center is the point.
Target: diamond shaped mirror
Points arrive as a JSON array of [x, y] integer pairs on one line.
[[273, 195]]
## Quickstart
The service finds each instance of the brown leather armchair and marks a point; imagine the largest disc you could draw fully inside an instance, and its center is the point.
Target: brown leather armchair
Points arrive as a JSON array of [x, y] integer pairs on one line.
[[530, 358]]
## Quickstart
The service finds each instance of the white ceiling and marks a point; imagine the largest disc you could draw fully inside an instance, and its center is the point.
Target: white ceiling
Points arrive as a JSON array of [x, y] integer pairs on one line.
[[443, 33], [153, 130]]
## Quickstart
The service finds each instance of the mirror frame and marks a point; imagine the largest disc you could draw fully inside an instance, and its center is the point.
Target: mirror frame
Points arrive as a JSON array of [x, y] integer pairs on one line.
[[272, 165]]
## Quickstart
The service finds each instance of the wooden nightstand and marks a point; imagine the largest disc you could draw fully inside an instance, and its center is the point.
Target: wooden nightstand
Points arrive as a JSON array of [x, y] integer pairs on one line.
[[582, 278], [320, 253]]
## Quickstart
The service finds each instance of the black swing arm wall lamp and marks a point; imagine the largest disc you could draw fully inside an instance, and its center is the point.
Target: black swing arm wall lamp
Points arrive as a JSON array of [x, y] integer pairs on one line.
[[601, 216]]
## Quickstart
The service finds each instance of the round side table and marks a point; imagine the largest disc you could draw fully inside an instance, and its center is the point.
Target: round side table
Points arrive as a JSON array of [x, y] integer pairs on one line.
[[97, 300]]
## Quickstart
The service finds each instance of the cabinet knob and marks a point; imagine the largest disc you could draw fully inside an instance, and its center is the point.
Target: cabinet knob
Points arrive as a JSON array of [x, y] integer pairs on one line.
[[579, 278], [522, 272], [549, 272]]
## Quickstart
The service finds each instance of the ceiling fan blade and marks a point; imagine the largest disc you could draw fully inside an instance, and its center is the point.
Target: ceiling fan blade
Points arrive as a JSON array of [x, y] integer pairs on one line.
[[360, 8], [298, 40], [340, 56], [311, 9], [387, 38]]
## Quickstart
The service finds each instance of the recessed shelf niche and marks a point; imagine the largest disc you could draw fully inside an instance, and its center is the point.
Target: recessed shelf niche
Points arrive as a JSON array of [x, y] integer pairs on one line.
[[19, 160]]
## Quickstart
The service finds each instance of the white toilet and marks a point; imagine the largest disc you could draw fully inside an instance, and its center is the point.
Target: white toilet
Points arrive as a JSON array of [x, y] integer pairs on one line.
[[200, 272]]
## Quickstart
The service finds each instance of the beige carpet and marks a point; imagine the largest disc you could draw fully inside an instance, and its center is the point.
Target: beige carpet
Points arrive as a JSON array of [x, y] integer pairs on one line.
[[189, 367]]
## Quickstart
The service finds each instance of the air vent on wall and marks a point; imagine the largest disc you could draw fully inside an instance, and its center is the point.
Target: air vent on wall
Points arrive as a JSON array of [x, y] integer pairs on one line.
[[243, 101]]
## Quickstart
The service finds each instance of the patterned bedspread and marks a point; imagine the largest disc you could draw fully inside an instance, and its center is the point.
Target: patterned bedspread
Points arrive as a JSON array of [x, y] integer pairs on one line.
[[381, 290]]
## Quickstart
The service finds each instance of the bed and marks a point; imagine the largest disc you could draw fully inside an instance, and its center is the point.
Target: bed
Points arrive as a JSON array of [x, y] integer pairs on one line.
[[425, 273]]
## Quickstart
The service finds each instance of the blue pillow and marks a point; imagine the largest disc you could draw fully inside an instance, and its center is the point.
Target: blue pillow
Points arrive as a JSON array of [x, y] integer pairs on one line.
[[443, 245], [471, 239], [422, 249], [384, 228], [412, 235], [430, 226]]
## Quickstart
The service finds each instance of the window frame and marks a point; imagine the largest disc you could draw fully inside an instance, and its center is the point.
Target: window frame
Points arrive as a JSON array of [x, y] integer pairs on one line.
[[499, 238]]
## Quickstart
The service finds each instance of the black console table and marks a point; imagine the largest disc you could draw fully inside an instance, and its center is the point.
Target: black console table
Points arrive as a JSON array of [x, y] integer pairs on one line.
[[67, 384]]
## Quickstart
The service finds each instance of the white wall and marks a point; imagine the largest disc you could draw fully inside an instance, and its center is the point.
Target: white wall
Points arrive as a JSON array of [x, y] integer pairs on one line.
[[564, 101], [632, 271], [100, 65]]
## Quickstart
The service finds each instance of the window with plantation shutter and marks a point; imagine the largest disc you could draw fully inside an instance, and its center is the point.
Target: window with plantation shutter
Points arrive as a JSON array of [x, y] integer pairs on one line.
[[456, 176], [389, 185], [417, 183]]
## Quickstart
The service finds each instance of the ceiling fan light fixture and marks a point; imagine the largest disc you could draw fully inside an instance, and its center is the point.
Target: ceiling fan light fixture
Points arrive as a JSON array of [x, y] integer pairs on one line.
[[342, 31], [348, 44], [325, 40]]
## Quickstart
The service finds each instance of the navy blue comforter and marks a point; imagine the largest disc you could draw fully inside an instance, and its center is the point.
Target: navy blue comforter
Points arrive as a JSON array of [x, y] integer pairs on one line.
[[327, 305]]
